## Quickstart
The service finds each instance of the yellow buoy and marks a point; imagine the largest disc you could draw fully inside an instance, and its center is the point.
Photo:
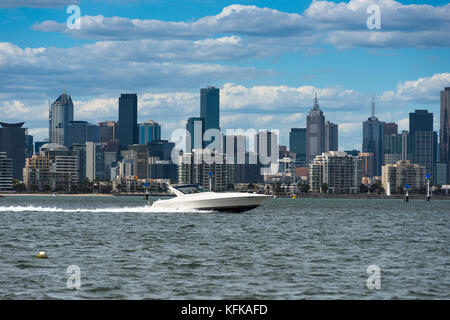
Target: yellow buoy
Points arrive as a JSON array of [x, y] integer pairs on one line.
[[42, 255], [293, 197]]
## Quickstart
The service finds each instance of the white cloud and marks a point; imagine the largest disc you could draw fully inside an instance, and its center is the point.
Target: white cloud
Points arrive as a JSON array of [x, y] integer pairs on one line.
[[39, 134], [16, 110], [37, 3], [422, 90], [341, 24], [104, 68]]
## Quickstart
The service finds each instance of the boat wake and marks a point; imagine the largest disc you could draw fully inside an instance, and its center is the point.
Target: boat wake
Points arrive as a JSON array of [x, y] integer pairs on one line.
[[143, 209]]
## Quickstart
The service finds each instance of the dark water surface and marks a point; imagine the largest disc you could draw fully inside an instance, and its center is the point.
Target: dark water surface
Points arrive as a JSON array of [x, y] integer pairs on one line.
[[286, 249]]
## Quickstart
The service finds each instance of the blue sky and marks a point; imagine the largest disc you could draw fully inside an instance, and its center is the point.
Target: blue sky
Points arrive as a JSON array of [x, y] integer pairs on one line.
[[268, 58]]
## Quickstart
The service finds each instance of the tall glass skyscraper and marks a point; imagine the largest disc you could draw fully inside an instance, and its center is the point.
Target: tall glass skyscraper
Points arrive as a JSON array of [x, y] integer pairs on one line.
[[128, 132], [61, 113], [149, 131], [209, 107], [297, 145], [445, 128], [331, 136], [195, 127], [420, 120], [424, 139], [373, 134], [81, 132], [12, 142]]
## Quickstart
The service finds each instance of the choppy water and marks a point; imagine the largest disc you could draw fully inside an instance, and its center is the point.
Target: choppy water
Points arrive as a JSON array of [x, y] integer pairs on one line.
[[286, 249]]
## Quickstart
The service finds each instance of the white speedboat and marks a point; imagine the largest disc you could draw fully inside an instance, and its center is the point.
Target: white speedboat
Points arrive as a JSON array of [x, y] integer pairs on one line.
[[191, 196]]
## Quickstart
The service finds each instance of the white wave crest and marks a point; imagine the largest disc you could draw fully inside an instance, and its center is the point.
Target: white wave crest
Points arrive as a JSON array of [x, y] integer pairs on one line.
[[143, 209]]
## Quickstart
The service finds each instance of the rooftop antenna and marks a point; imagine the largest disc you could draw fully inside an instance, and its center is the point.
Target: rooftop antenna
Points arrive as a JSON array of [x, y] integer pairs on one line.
[[316, 101], [373, 106]]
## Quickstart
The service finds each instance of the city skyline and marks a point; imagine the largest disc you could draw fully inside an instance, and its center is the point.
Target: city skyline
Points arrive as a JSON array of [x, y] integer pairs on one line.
[[266, 80]]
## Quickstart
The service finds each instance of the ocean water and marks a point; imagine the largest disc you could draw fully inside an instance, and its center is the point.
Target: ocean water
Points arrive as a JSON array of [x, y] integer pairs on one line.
[[286, 249]]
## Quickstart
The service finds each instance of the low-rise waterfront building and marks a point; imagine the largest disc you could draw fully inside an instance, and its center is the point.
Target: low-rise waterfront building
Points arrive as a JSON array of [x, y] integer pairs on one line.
[[56, 168], [403, 173]]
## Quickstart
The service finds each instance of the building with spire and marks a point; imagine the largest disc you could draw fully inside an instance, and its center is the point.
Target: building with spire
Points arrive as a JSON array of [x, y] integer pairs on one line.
[[315, 132], [60, 115], [373, 134]]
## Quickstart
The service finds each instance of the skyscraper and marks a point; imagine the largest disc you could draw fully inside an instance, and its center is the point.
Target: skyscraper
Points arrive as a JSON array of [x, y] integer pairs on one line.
[[139, 155], [315, 132], [420, 120], [390, 128], [108, 131], [445, 128], [162, 149], [266, 143], [61, 113], [28, 145], [209, 107], [424, 139], [128, 132], [195, 127], [95, 161], [331, 136], [12, 142], [297, 145], [81, 132], [373, 134], [148, 131]]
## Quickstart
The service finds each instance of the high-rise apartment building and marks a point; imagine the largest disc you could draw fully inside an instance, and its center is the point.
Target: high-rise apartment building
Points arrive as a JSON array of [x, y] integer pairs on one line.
[[340, 172], [367, 163], [197, 167]]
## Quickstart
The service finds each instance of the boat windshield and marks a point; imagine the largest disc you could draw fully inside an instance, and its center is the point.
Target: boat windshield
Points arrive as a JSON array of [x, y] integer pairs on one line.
[[190, 189]]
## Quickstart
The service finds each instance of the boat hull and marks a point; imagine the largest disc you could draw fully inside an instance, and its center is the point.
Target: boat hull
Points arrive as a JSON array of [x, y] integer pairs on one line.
[[221, 202]]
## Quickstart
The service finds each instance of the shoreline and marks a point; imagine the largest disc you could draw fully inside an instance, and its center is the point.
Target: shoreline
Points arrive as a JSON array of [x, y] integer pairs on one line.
[[298, 196]]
